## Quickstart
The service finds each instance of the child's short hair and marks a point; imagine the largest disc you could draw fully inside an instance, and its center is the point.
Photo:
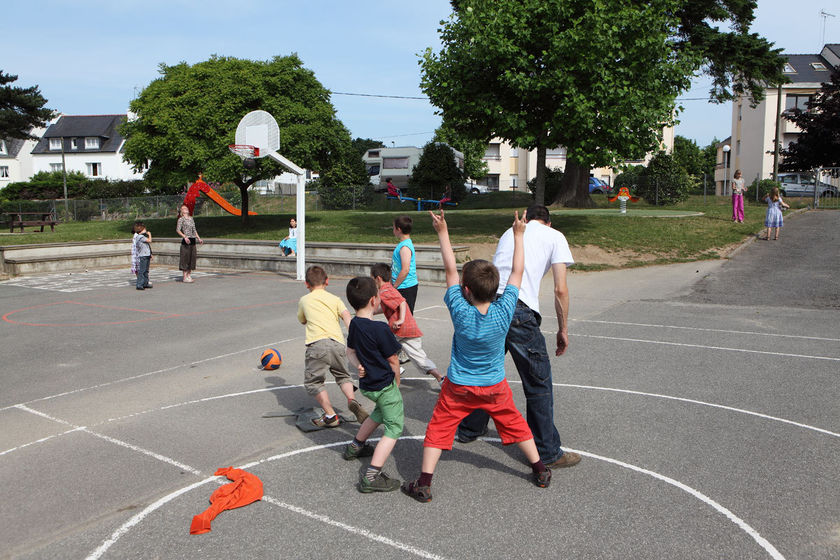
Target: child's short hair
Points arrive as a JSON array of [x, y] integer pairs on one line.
[[482, 278], [403, 223], [138, 226], [316, 276], [537, 212], [381, 270], [359, 291]]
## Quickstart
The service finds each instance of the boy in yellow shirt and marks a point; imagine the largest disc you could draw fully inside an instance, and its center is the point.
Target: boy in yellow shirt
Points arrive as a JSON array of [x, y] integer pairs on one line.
[[321, 311]]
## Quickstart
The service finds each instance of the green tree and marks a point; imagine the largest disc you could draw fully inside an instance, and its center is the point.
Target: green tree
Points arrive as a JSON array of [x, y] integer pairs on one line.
[[474, 165], [709, 158], [547, 73], [186, 118], [600, 79], [664, 181], [362, 145], [21, 109], [687, 154], [436, 171], [819, 143]]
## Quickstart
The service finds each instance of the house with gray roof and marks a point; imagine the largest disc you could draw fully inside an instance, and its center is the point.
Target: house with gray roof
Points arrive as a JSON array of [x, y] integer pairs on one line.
[[16, 158], [90, 144], [754, 128]]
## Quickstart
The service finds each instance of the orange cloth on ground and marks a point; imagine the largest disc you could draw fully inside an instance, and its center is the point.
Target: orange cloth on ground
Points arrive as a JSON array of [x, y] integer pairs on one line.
[[245, 489]]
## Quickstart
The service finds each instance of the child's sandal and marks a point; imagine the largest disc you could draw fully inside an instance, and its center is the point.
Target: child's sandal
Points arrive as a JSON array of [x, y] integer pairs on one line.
[[419, 493]]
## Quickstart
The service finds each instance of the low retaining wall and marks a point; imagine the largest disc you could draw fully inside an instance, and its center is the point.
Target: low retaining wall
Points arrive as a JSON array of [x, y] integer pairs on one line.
[[339, 259]]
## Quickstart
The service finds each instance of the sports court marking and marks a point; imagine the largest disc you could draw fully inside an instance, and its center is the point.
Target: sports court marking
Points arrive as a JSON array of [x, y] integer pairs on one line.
[[70, 282], [139, 517], [159, 315], [725, 331]]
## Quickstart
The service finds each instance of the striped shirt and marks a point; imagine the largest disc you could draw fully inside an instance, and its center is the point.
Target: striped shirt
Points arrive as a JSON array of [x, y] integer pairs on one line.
[[478, 344]]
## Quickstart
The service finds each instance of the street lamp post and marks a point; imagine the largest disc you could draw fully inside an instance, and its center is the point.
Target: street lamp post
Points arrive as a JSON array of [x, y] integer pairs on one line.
[[726, 169]]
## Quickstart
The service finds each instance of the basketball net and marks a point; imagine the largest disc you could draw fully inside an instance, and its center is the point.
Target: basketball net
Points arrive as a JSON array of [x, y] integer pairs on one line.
[[244, 151]]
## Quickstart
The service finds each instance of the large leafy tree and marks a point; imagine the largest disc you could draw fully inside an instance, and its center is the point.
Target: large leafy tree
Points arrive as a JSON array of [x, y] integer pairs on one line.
[[819, 143], [435, 171], [21, 109], [186, 118], [599, 78]]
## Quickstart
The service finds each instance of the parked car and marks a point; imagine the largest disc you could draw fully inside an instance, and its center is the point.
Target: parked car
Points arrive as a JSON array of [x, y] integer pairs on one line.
[[802, 184], [474, 188], [597, 186]]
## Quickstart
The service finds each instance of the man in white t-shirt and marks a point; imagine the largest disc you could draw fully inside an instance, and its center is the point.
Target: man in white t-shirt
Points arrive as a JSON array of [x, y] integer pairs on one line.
[[545, 248]]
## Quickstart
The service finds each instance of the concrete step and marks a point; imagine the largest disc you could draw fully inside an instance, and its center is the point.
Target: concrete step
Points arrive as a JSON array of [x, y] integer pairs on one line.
[[338, 259]]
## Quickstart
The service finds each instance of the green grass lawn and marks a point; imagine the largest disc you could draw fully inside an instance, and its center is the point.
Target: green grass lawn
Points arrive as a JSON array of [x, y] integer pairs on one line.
[[692, 230]]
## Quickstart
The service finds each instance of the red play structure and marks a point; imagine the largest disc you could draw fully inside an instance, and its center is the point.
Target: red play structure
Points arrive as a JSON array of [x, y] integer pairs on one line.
[[201, 187]]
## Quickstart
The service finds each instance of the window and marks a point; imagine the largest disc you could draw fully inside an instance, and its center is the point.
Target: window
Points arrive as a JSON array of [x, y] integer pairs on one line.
[[395, 163], [492, 152], [514, 180], [739, 111], [788, 69], [373, 169], [91, 143], [738, 148], [74, 143], [56, 167], [818, 66], [797, 102], [491, 181], [4, 172], [94, 169], [55, 143], [3, 149], [373, 153], [514, 152], [559, 152]]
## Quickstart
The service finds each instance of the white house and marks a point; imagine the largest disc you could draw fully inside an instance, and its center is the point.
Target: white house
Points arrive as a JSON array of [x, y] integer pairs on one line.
[[16, 158], [90, 144], [511, 168], [754, 128]]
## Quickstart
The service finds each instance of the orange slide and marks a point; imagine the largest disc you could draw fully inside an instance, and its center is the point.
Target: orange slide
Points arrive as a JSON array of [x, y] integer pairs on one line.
[[226, 206]]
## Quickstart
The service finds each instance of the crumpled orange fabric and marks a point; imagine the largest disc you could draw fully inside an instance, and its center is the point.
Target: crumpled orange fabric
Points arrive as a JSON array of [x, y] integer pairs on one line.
[[246, 488]]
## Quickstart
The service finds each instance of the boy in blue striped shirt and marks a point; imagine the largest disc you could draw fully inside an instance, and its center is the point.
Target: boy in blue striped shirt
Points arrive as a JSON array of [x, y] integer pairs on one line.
[[476, 375]]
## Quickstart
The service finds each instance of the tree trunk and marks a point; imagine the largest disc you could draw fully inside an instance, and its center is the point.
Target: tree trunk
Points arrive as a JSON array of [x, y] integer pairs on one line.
[[574, 187], [539, 192]]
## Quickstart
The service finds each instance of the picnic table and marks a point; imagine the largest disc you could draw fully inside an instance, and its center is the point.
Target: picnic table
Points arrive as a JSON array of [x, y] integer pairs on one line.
[[31, 219]]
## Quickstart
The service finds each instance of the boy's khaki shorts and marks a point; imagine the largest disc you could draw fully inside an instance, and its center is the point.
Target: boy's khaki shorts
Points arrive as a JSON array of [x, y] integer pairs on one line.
[[322, 356]]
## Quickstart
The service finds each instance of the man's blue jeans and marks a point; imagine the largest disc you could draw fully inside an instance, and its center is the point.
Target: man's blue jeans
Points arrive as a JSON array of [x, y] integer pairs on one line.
[[143, 272], [526, 345]]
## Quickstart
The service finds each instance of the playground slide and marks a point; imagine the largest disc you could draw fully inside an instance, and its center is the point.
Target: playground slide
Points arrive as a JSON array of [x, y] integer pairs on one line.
[[226, 206]]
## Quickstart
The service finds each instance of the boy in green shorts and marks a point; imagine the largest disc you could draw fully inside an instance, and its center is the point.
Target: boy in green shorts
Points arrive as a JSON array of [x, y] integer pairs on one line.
[[373, 349]]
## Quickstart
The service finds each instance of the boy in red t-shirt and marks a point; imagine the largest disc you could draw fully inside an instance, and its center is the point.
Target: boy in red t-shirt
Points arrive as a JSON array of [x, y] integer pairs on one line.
[[402, 322]]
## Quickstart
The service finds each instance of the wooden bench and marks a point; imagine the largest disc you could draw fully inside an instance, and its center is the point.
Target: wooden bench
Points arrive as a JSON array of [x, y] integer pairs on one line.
[[31, 219]]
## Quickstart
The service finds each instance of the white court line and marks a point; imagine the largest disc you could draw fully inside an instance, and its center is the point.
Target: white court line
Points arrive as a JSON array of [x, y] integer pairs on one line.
[[724, 331], [126, 527], [140, 376], [121, 443], [42, 440], [122, 530], [706, 347]]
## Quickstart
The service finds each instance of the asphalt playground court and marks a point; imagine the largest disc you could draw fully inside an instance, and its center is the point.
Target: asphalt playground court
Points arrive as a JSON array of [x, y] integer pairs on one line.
[[702, 396]]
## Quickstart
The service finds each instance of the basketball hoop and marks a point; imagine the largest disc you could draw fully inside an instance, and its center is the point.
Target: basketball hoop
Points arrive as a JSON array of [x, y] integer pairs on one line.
[[245, 151]]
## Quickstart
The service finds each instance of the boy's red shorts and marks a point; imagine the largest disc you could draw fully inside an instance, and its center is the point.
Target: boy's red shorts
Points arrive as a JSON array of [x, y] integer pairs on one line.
[[457, 401]]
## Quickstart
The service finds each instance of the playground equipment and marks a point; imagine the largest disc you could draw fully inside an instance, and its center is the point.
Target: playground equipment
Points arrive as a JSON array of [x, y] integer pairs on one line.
[[421, 201], [623, 196], [258, 136], [201, 187]]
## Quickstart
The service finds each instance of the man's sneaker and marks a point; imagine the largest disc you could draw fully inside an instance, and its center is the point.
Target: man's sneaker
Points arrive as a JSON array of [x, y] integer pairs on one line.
[[469, 439], [381, 483], [323, 422], [404, 357], [351, 452], [358, 410], [542, 479], [568, 459]]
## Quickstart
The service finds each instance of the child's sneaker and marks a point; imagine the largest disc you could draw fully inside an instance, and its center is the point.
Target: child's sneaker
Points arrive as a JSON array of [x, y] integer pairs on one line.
[[358, 410], [419, 493], [381, 483], [324, 422], [542, 479], [352, 452]]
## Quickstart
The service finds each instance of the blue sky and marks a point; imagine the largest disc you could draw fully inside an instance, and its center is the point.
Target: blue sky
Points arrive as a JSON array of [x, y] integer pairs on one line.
[[90, 56]]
